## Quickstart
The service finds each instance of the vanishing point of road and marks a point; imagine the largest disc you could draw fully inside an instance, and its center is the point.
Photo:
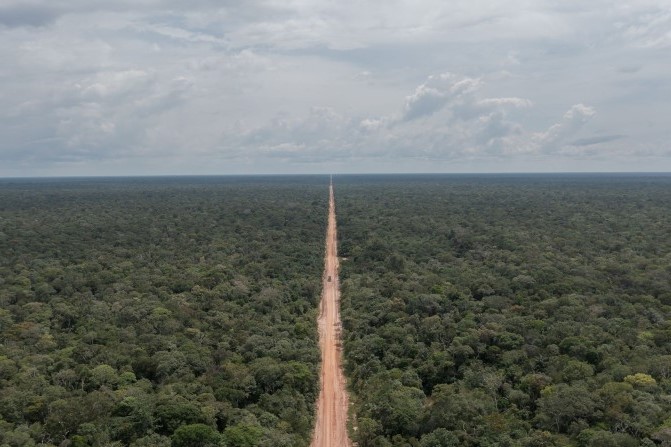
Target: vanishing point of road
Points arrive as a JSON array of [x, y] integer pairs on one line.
[[332, 405]]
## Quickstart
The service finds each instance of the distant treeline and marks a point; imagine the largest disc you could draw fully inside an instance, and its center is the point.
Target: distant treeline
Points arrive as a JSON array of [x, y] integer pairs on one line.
[[524, 311], [158, 312]]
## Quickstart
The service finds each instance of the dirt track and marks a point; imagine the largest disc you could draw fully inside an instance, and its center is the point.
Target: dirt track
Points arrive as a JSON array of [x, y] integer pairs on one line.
[[331, 425]]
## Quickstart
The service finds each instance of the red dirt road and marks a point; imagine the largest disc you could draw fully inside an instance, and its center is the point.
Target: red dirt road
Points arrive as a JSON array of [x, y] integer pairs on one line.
[[331, 425]]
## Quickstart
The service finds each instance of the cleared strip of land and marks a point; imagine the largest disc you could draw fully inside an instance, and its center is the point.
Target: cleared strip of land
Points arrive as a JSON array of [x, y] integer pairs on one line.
[[331, 425]]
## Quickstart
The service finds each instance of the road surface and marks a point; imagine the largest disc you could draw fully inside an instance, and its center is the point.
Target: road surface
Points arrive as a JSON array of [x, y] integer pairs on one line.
[[331, 425]]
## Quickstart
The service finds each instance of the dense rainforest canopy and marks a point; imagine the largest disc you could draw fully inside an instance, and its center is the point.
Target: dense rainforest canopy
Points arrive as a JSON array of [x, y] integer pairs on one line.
[[521, 311], [525, 311], [158, 312]]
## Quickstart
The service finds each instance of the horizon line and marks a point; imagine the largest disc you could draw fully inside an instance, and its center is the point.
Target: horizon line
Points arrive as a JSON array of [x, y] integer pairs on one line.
[[484, 173]]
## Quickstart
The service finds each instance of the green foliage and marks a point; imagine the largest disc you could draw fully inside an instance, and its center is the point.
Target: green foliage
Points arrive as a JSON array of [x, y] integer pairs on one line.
[[641, 380], [397, 407], [516, 310], [562, 404], [528, 310], [132, 307], [598, 438], [243, 435], [439, 438], [195, 435], [104, 375]]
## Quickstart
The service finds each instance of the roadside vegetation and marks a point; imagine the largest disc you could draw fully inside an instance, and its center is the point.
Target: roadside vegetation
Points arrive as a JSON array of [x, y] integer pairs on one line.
[[158, 312], [523, 311]]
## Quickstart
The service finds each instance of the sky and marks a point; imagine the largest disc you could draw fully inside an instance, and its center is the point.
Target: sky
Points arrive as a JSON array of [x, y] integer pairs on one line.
[[156, 87]]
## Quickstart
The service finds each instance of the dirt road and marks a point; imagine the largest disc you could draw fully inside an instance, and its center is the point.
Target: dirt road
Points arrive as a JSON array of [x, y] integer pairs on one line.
[[331, 426]]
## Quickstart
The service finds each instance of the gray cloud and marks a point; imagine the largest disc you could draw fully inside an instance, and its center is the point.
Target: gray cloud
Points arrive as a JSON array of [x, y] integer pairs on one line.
[[15, 15], [445, 118], [557, 135], [589, 141], [209, 84], [436, 93]]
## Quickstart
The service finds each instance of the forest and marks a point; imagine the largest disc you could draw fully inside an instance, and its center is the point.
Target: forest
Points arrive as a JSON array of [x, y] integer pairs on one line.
[[514, 310], [160, 311], [507, 310]]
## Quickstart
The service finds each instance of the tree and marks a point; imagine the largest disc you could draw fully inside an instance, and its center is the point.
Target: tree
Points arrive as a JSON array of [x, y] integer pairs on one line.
[[195, 435], [439, 438], [561, 404], [641, 380], [243, 435], [396, 406]]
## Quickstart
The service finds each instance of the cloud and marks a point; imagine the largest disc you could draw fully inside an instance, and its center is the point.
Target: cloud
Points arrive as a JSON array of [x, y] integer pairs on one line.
[[320, 81], [436, 93], [651, 29], [132, 113], [424, 101], [108, 115], [589, 141], [115, 85], [445, 118], [514, 102], [465, 124], [557, 135], [16, 15]]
